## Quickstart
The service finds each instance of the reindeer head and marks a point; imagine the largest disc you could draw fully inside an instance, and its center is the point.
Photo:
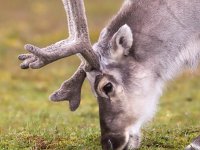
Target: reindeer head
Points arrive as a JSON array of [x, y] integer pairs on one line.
[[123, 87], [121, 84]]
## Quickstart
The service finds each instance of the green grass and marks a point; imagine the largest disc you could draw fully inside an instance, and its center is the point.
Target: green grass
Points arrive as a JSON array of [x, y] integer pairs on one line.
[[29, 121]]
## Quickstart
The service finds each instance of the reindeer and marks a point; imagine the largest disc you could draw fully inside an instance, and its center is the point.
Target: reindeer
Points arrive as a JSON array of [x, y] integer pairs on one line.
[[145, 45]]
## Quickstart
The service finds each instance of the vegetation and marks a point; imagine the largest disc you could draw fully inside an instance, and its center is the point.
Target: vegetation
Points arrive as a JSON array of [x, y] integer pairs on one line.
[[29, 121]]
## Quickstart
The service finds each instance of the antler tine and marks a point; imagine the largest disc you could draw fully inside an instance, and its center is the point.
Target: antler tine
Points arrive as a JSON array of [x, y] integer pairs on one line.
[[81, 28], [69, 15], [76, 18], [71, 89]]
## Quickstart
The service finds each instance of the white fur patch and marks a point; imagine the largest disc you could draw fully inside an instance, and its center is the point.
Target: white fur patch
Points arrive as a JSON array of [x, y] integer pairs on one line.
[[188, 57]]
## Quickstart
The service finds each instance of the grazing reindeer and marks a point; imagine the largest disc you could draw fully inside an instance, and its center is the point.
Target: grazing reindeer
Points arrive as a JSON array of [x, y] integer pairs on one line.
[[146, 44]]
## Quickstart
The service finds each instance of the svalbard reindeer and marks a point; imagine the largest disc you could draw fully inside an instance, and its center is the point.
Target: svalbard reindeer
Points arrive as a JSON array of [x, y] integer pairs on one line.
[[146, 44]]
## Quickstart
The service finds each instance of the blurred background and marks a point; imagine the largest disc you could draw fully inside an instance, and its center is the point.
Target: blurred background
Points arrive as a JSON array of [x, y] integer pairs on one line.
[[28, 120]]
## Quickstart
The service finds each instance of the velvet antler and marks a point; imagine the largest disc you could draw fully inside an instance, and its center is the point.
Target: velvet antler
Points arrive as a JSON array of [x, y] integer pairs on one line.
[[78, 42]]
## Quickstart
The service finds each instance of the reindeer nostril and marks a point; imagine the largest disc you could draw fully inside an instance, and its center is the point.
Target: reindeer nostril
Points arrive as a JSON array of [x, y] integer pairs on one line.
[[110, 145]]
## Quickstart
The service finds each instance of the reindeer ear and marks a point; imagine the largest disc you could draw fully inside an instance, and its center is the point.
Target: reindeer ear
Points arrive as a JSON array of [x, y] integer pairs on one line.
[[122, 41]]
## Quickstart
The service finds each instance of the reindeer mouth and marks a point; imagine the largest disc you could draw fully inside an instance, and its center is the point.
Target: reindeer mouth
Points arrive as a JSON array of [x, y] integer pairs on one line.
[[111, 147], [119, 142]]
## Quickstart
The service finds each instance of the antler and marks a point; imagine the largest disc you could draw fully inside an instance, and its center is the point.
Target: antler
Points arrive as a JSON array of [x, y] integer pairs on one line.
[[78, 42]]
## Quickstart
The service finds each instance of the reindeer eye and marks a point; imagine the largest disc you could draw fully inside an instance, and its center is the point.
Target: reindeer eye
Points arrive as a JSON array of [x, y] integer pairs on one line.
[[108, 88]]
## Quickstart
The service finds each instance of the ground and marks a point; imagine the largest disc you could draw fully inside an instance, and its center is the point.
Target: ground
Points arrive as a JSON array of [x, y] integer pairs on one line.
[[28, 120]]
